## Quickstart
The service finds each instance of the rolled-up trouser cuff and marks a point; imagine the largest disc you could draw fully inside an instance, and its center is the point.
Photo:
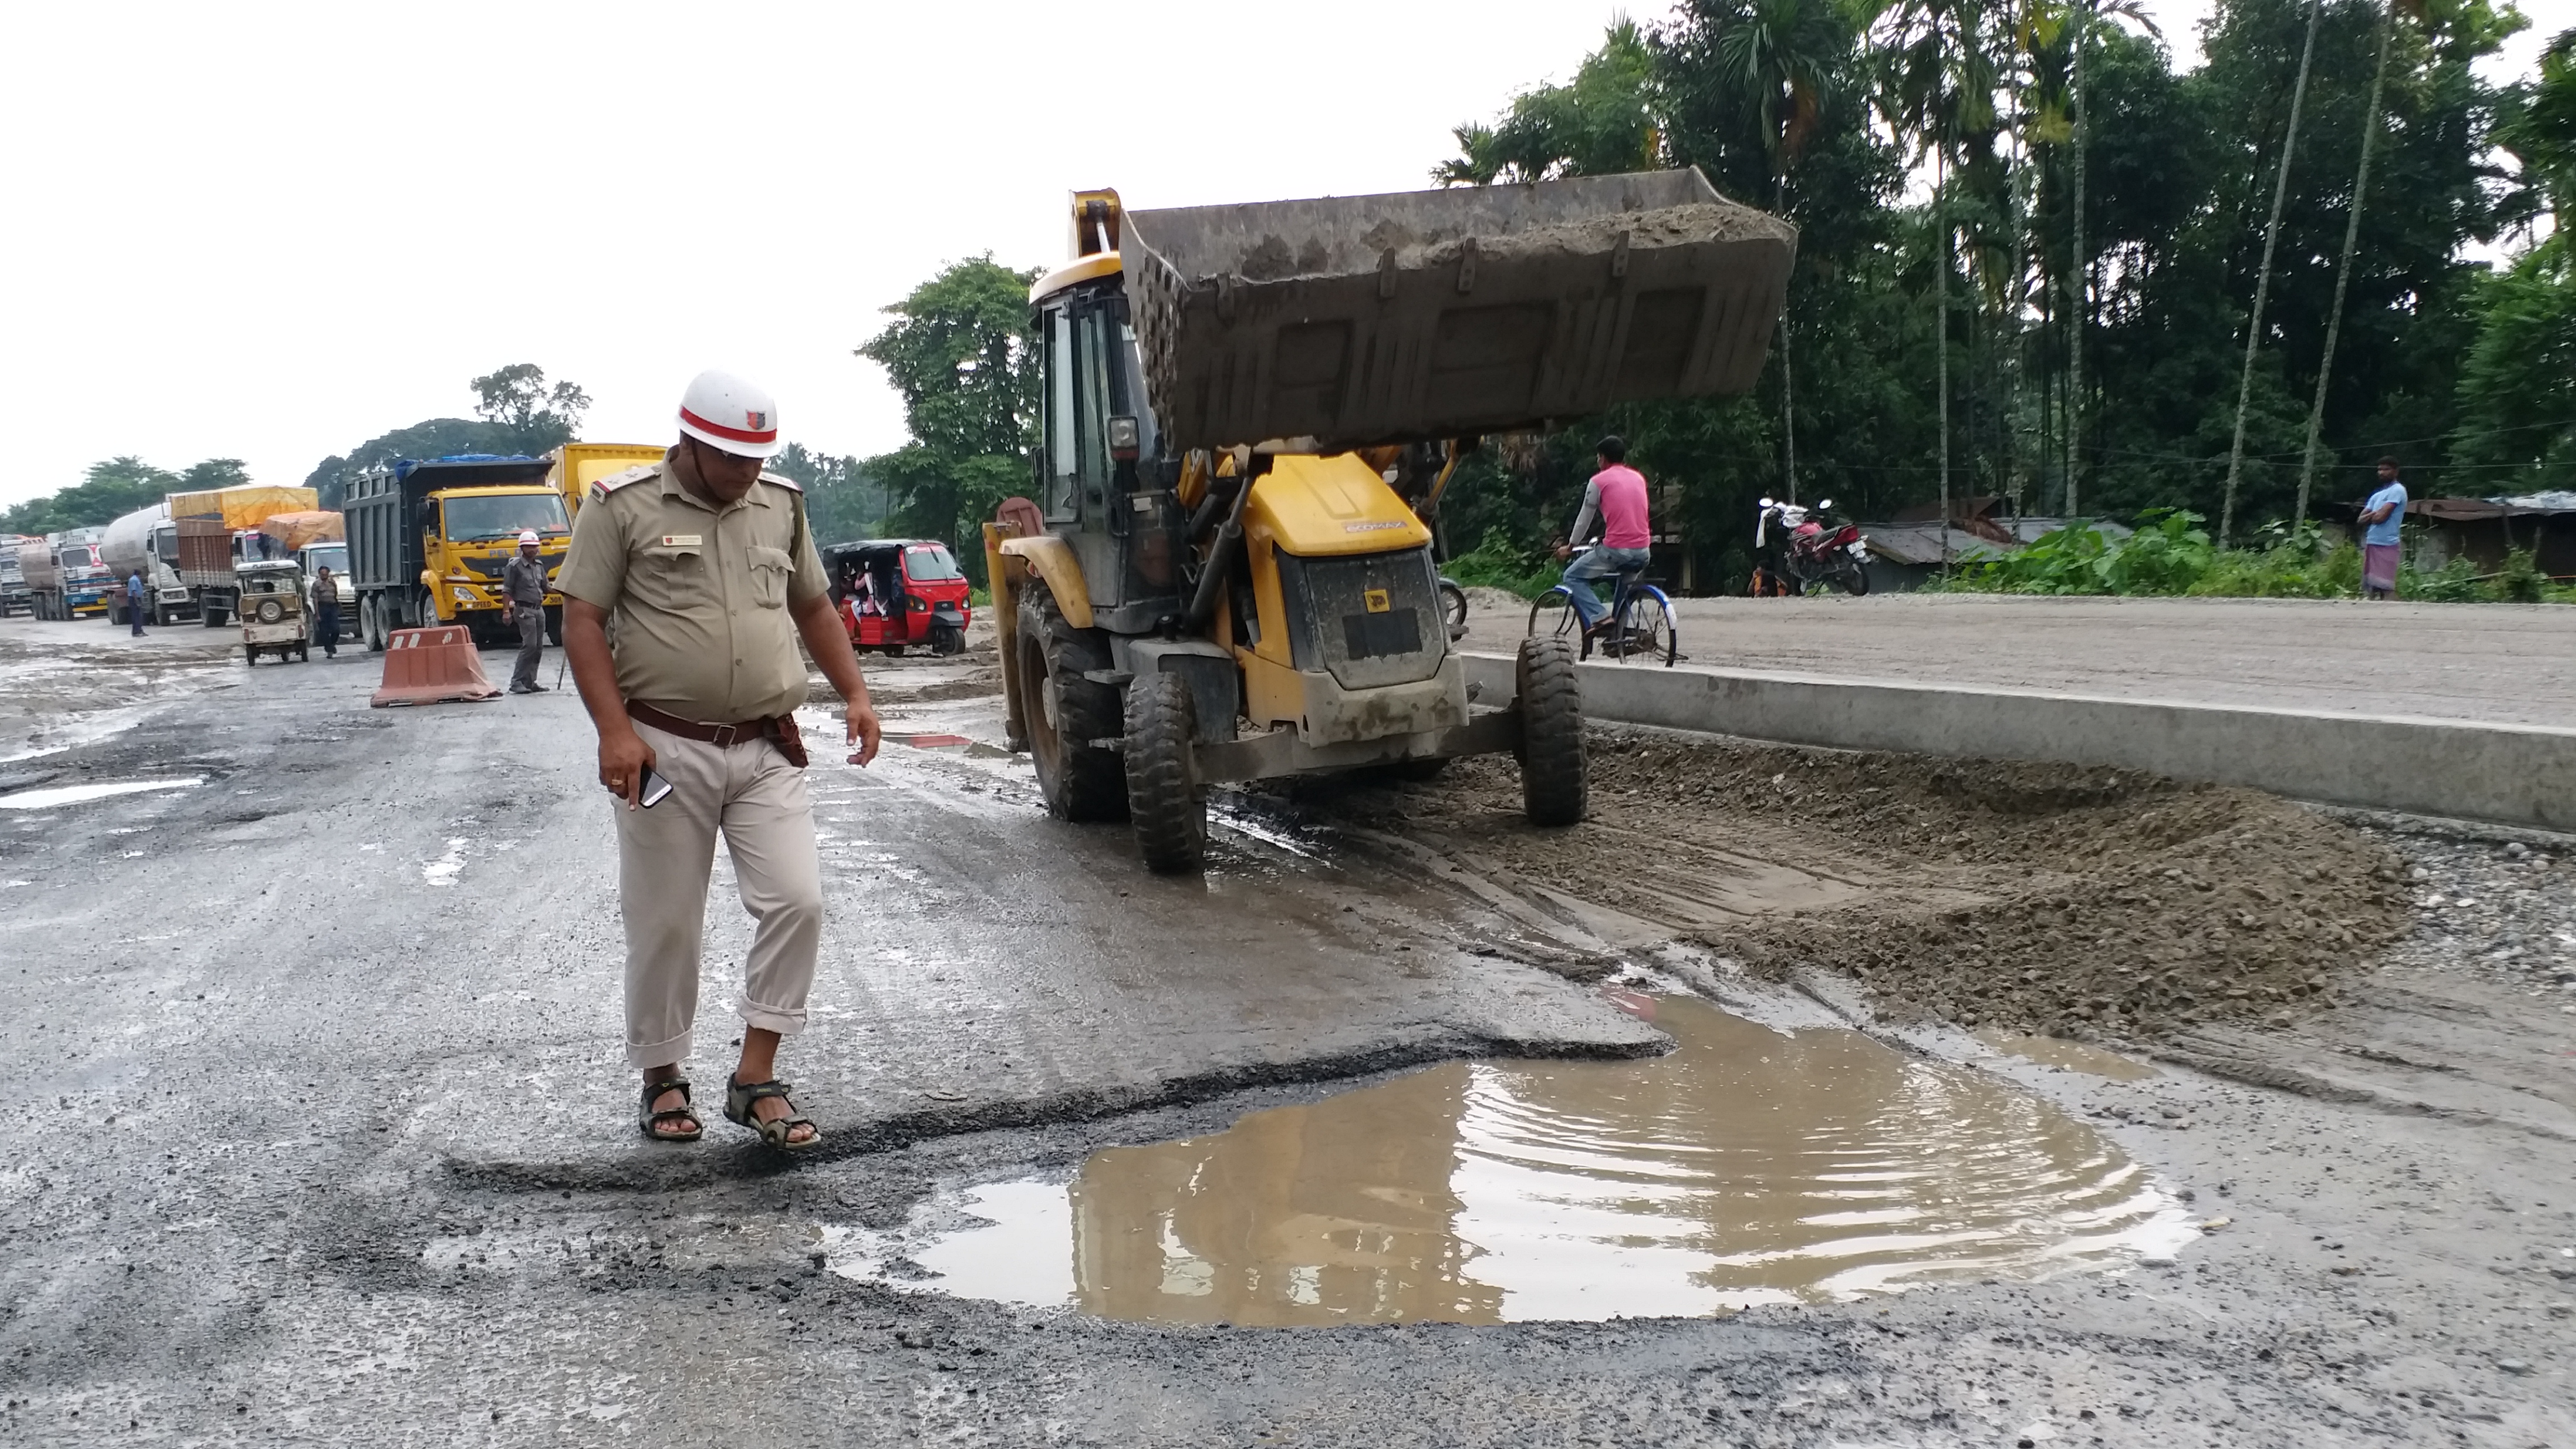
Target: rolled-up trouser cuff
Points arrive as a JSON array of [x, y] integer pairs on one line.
[[660, 1054], [785, 1023]]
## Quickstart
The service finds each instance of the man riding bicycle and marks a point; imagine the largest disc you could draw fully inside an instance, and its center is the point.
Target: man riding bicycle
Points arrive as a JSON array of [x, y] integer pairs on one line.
[[1618, 495]]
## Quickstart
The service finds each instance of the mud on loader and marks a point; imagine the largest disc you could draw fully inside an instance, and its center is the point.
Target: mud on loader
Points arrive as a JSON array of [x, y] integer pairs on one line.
[[1249, 411]]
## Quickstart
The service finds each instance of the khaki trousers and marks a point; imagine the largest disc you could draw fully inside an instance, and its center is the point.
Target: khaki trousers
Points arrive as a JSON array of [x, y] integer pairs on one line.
[[749, 792]]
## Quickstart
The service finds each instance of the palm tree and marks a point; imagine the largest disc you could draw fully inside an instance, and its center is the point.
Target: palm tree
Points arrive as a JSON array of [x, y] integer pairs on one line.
[[2343, 271], [1937, 85], [1783, 57], [2263, 277]]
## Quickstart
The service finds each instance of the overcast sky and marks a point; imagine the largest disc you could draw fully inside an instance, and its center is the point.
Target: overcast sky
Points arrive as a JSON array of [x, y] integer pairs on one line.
[[272, 231]]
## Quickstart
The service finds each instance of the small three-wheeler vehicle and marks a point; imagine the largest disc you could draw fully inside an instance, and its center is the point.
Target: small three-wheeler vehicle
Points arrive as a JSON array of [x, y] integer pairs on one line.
[[272, 609], [897, 592]]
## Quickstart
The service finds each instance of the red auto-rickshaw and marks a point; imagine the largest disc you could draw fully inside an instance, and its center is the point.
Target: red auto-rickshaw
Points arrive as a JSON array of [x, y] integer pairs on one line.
[[897, 592]]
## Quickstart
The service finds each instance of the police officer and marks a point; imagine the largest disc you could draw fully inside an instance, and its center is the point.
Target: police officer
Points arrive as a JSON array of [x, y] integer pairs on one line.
[[709, 570], [523, 584]]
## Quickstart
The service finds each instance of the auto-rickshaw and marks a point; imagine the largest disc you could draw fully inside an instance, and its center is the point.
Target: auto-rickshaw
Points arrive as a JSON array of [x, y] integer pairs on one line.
[[897, 592], [272, 609]]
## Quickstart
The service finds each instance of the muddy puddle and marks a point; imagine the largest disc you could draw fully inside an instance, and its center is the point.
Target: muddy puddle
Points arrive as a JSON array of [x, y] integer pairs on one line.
[[2073, 1056], [1749, 1166], [59, 795]]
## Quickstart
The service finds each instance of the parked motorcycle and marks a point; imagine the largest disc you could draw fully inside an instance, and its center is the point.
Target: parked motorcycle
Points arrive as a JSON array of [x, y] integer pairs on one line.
[[1804, 554]]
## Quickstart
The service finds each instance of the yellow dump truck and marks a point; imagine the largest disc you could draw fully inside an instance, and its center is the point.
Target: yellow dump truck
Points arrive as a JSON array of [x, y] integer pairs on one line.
[[1224, 573], [428, 540], [572, 468]]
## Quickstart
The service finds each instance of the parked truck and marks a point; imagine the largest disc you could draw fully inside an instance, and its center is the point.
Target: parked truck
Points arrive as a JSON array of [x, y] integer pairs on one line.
[[14, 595], [219, 527], [146, 541], [428, 540], [65, 578], [573, 467]]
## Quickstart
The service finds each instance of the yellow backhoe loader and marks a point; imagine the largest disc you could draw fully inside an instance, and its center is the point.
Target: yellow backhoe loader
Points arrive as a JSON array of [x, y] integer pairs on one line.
[[1224, 574]]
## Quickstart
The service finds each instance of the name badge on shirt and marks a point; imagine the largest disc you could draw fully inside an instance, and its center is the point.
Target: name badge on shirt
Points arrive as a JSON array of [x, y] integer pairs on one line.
[[681, 540]]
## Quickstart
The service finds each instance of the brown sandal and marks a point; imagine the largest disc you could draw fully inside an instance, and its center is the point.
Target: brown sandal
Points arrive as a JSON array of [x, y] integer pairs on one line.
[[738, 1099], [651, 1121]]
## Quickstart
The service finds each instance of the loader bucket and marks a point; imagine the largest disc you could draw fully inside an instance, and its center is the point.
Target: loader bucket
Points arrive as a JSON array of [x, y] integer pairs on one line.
[[1348, 321]]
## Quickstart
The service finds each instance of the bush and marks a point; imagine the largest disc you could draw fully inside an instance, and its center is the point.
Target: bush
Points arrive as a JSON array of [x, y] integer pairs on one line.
[[2455, 582], [1496, 564], [2521, 581]]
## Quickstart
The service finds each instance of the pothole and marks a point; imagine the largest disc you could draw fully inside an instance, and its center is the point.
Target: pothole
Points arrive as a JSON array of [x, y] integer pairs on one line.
[[1749, 1166]]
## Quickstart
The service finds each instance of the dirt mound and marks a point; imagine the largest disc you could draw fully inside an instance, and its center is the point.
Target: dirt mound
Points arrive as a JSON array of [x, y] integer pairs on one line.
[[2077, 902]]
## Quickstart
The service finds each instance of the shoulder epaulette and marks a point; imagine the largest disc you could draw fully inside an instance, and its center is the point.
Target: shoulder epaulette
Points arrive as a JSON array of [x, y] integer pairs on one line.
[[783, 482], [602, 487]]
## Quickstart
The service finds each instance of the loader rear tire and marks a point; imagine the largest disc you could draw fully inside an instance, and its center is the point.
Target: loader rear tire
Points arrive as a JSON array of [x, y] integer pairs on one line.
[[1066, 712], [1554, 774], [1164, 796]]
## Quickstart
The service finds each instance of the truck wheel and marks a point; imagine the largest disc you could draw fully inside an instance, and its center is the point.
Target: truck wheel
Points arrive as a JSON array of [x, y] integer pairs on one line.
[[944, 640], [250, 654], [554, 627], [1164, 796], [208, 614], [371, 622], [1554, 776], [1066, 712]]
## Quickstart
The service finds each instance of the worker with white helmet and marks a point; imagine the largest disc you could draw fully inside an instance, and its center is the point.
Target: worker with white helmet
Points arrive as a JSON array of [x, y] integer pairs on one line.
[[709, 570], [523, 588]]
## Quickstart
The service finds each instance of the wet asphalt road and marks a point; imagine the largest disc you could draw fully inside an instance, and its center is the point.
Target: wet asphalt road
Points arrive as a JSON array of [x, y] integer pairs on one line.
[[326, 1140]]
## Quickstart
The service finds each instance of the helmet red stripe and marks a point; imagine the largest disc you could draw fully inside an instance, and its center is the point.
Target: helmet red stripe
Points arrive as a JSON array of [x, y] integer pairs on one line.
[[739, 435]]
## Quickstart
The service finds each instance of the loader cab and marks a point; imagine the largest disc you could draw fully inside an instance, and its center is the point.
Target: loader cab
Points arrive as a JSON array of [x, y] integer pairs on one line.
[[1101, 481]]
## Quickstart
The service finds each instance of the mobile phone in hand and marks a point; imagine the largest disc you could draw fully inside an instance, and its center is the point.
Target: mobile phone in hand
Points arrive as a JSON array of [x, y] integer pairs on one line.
[[654, 789]]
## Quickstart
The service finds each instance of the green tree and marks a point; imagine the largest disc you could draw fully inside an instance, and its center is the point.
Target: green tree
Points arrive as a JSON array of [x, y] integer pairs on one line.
[[430, 438], [531, 414], [1601, 123], [960, 355], [2517, 392], [107, 491], [842, 499]]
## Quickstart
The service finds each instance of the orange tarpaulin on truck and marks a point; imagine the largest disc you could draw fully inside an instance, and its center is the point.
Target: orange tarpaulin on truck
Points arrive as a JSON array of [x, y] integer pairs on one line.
[[244, 506], [304, 528]]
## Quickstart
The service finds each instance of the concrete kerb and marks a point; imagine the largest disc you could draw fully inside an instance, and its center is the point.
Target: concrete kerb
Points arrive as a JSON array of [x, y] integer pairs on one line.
[[2522, 775]]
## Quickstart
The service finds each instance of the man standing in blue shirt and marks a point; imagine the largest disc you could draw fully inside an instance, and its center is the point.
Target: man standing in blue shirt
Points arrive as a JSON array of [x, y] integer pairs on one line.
[[134, 597], [2380, 518]]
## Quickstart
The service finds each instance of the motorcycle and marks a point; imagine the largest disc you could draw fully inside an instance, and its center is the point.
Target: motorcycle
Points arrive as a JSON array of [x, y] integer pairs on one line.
[[1806, 556]]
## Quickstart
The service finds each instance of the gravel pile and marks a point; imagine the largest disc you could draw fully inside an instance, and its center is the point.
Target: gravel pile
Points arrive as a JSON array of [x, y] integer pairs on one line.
[[2501, 910], [2081, 903]]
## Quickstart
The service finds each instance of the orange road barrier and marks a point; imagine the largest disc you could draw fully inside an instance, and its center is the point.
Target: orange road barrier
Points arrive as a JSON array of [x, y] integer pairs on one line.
[[432, 666]]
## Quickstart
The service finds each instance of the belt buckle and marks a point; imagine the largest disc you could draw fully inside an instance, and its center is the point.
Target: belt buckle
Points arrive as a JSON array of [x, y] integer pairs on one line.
[[725, 735]]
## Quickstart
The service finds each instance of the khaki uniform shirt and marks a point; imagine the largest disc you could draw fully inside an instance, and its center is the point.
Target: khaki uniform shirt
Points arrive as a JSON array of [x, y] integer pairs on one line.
[[696, 596]]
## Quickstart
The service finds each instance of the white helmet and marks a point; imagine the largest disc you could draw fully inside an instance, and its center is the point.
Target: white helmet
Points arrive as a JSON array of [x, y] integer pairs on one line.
[[731, 414], [528, 538]]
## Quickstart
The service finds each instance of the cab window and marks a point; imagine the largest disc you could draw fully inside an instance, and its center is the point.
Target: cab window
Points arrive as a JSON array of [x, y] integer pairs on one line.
[[1082, 354], [1063, 484]]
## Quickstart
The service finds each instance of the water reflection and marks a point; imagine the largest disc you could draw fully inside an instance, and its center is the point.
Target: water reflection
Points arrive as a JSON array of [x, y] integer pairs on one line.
[[1746, 1167]]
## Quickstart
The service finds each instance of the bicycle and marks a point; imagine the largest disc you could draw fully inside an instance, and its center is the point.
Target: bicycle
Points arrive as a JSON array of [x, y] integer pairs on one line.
[[1642, 622]]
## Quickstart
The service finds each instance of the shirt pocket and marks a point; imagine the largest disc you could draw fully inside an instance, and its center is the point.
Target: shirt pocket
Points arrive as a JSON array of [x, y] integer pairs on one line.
[[770, 568], [673, 578]]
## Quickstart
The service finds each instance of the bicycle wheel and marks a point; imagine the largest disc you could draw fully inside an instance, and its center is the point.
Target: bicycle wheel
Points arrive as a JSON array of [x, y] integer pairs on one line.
[[1453, 610], [1650, 626], [1553, 616]]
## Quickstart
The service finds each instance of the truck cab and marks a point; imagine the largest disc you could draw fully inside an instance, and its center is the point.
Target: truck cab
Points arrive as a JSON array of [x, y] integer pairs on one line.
[[429, 539]]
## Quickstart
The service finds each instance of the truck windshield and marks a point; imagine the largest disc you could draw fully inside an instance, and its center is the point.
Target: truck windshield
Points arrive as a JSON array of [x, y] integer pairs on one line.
[[504, 515], [334, 559], [930, 565]]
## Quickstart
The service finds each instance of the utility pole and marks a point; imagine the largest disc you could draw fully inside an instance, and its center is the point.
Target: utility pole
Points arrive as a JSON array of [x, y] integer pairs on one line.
[[1941, 292], [2343, 273], [2263, 280]]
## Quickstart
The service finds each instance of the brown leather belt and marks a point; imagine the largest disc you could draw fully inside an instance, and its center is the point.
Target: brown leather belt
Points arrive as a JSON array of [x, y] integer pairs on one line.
[[781, 731]]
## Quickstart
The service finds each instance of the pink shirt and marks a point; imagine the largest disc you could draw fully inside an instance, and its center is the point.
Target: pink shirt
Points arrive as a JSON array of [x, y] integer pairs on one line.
[[1623, 507]]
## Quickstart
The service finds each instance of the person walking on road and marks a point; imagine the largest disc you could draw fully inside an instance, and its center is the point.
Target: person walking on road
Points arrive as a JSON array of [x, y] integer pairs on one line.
[[1617, 494], [326, 612], [2380, 538], [523, 584], [134, 601], [708, 568]]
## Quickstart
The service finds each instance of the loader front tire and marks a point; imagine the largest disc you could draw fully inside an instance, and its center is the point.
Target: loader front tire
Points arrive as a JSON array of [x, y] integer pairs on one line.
[[1554, 774], [1164, 797], [1066, 712]]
